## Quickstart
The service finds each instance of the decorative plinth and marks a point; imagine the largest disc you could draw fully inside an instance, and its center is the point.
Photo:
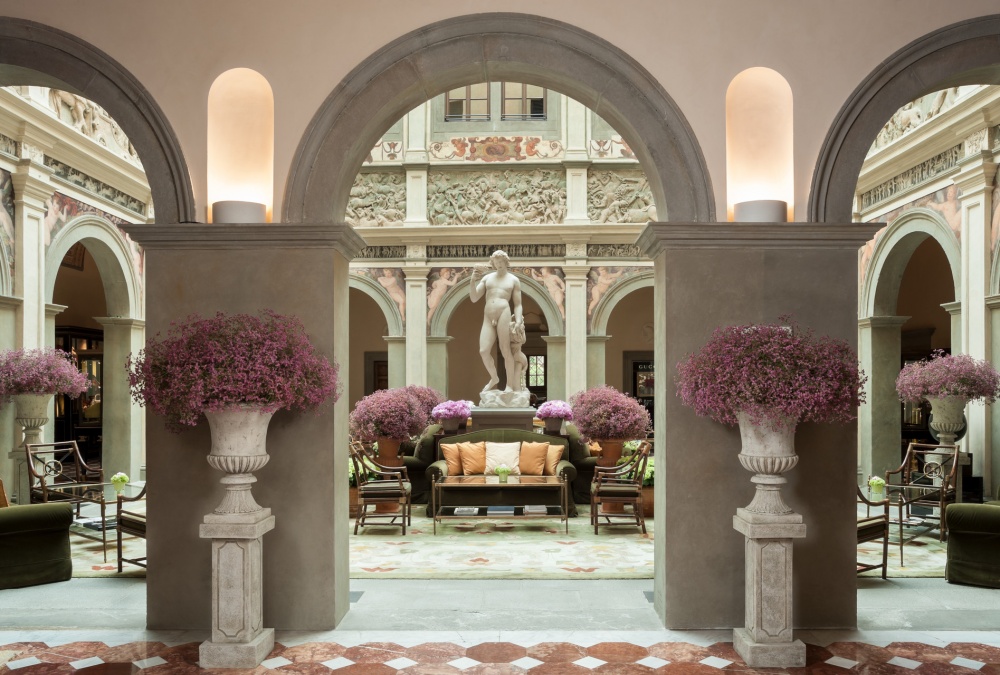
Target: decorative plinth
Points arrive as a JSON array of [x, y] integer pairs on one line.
[[766, 641], [239, 639], [503, 418], [504, 399]]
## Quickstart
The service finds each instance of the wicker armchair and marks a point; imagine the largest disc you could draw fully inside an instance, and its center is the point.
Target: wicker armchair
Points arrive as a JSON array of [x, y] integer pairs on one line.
[[619, 485], [379, 484]]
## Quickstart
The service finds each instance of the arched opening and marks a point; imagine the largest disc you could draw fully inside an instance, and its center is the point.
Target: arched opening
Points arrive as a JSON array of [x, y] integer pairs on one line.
[[370, 365], [629, 348]]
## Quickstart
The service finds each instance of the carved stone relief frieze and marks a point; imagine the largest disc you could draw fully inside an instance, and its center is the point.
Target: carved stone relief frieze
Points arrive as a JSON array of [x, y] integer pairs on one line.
[[976, 142], [619, 196], [576, 250], [392, 280], [914, 114], [94, 186], [613, 251], [416, 251], [477, 251], [92, 121], [31, 152], [8, 146], [496, 149], [496, 198], [377, 198], [382, 253], [912, 177]]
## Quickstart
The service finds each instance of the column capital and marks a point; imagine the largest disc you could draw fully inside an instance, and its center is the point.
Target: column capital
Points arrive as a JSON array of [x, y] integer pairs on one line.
[[883, 321], [53, 310], [11, 301], [120, 321], [992, 301], [439, 339], [416, 272], [32, 184], [975, 174], [401, 339], [953, 308], [576, 272], [554, 339], [598, 338]]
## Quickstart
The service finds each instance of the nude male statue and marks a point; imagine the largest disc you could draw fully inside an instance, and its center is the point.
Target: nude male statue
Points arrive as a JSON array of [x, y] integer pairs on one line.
[[502, 289]]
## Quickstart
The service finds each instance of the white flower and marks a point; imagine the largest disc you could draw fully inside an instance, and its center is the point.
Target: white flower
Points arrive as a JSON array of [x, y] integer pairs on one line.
[[119, 478]]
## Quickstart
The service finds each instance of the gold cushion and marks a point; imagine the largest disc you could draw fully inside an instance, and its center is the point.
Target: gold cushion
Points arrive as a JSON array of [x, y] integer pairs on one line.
[[532, 459], [552, 457], [473, 458], [453, 457]]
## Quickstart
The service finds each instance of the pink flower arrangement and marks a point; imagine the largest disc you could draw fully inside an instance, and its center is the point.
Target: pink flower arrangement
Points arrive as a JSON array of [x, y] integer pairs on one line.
[[775, 374], [605, 413], [452, 410], [945, 375], [40, 371], [388, 413], [426, 397], [230, 359], [555, 409]]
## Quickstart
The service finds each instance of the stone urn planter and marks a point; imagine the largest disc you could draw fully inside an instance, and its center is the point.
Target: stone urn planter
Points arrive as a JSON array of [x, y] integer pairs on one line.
[[448, 424], [768, 453], [553, 425], [31, 411], [947, 417]]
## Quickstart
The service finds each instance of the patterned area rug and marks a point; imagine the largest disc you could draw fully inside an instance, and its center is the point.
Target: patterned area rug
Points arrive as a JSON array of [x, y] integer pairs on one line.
[[88, 556], [498, 549], [924, 556]]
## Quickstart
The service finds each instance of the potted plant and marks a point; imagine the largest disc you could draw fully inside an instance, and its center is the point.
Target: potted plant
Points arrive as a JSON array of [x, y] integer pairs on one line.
[[502, 471], [388, 416], [877, 487], [427, 399], [450, 414], [119, 481], [948, 383], [609, 417], [30, 377], [554, 413], [767, 378]]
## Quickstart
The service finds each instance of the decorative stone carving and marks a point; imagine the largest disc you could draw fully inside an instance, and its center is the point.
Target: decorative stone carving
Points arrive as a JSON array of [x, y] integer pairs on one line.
[[619, 196], [554, 281], [378, 198], [94, 186], [416, 251], [914, 114], [602, 279], [382, 252], [503, 326], [483, 250], [912, 177], [92, 121], [385, 151], [32, 152], [8, 146], [495, 198], [610, 148], [976, 142], [439, 281], [496, 149], [613, 251], [393, 281], [576, 250]]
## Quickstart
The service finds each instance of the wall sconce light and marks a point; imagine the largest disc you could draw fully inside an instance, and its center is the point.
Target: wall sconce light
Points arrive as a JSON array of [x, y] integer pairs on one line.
[[761, 211], [232, 211]]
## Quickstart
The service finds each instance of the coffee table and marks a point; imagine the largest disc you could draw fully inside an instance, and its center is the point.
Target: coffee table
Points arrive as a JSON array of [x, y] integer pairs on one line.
[[513, 489], [102, 494]]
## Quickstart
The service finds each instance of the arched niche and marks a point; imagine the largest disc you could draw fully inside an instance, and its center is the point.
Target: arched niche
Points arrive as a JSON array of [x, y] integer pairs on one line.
[[390, 311], [759, 139], [602, 312], [35, 54], [241, 138], [497, 47], [892, 252], [959, 54], [533, 289]]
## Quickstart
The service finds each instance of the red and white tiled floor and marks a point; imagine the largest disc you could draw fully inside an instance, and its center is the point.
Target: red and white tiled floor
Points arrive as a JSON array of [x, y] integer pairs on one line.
[[620, 653]]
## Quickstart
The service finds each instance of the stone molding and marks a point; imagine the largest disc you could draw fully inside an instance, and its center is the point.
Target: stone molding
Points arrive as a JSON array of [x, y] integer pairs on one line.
[[912, 177], [382, 253], [658, 237], [883, 321], [200, 236]]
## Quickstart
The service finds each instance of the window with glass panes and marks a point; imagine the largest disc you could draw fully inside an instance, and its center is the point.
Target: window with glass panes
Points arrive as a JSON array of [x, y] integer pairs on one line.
[[468, 103], [536, 371], [523, 101]]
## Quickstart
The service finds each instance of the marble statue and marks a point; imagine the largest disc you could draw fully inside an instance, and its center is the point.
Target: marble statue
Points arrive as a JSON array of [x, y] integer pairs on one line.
[[503, 323]]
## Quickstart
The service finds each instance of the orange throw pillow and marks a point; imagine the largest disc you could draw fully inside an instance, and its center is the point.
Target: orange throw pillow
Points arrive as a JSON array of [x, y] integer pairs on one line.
[[532, 459], [453, 457], [473, 458], [552, 458]]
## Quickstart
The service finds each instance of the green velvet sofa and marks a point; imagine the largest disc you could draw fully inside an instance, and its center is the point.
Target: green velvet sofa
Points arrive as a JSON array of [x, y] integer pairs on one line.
[[34, 544], [496, 495], [973, 544]]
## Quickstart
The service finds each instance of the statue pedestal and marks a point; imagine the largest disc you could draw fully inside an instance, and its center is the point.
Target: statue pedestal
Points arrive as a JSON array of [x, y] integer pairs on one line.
[[503, 418]]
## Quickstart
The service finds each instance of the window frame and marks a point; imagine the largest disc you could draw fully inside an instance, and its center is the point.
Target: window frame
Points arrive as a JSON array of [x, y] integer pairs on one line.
[[525, 105], [467, 103]]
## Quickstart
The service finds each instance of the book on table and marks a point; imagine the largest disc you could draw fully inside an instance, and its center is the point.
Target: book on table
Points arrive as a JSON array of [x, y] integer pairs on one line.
[[466, 510], [500, 510], [535, 510]]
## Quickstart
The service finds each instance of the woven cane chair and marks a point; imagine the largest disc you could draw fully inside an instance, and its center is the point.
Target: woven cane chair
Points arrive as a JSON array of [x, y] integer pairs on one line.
[[378, 485], [619, 485]]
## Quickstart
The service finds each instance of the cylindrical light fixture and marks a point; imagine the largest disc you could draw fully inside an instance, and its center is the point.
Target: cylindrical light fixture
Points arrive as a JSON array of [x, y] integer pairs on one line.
[[232, 211], [761, 211]]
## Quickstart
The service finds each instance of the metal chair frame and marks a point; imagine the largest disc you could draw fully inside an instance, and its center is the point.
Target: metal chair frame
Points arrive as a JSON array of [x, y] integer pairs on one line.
[[625, 481], [872, 528], [379, 484]]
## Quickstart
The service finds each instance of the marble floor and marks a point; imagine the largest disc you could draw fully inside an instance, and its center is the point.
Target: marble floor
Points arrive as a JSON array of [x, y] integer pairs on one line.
[[921, 626]]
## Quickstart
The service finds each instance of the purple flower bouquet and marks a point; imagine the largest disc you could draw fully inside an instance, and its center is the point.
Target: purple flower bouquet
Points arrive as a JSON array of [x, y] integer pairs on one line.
[[775, 374], [427, 397], [40, 371], [230, 359], [452, 410], [387, 413], [555, 409], [944, 375], [606, 413]]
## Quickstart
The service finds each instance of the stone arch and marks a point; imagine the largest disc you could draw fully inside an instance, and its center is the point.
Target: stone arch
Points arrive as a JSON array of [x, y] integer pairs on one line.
[[113, 256], [497, 46], [892, 252], [959, 54], [390, 310], [603, 310], [460, 292], [36, 54]]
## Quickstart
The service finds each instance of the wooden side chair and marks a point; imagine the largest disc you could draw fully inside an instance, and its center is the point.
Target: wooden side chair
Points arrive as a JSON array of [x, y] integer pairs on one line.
[[926, 478], [380, 484], [620, 485], [872, 528], [59, 463], [130, 521]]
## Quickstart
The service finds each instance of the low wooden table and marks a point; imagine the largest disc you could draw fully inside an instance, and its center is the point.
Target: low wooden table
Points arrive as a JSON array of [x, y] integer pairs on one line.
[[101, 494], [513, 486]]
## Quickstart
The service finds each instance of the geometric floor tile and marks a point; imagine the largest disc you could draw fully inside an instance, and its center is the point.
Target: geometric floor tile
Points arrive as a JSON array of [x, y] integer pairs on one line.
[[149, 663], [401, 663], [841, 662], [276, 662], [589, 662], [653, 662], [715, 662], [339, 662], [84, 663], [904, 663], [23, 663], [967, 663], [526, 662], [463, 663]]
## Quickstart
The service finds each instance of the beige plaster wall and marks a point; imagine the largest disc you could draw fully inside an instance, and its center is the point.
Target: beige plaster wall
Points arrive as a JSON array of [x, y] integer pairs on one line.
[[466, 372], [367, 330], [626, 329], [82, 293], [823, 50], [927, 283]]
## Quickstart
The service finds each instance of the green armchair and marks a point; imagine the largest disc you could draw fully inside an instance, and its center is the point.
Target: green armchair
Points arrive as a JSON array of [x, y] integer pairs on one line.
[[34, 544], [973, 544]]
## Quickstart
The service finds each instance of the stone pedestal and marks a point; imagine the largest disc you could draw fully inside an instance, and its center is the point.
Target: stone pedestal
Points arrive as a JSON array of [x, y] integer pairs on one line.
[[766, 641], [239, 639], [503, 418]]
